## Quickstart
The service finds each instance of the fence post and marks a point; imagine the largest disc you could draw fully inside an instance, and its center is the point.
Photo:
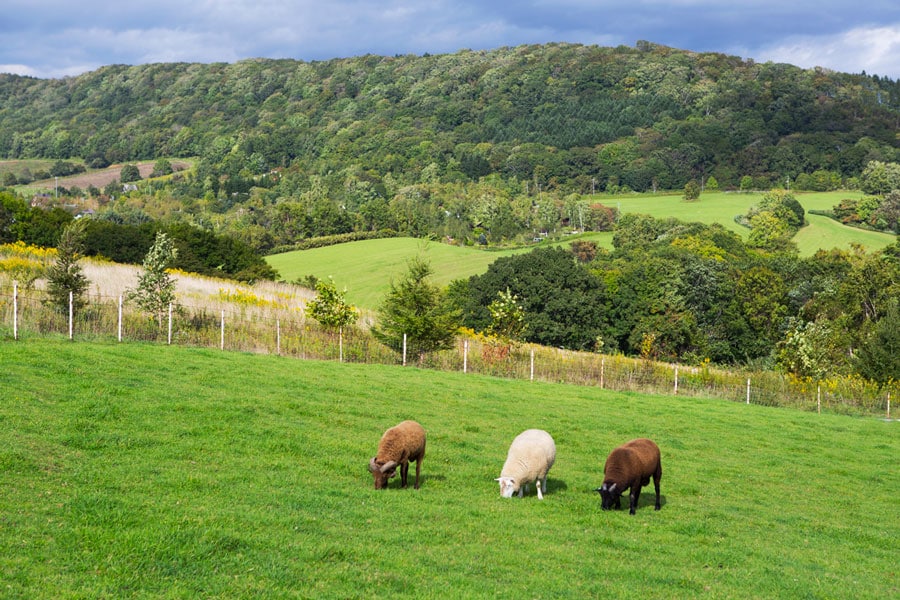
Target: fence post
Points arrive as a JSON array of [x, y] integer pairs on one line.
[[16, 310], [819, 399], [676, 381], [119, 327], [889, 407], [169, 336], [71, 314], [340, 344], [404, 349], [222, 333], [748, 390], [532, 364], [602, 368], [277, 337], [466, 356]]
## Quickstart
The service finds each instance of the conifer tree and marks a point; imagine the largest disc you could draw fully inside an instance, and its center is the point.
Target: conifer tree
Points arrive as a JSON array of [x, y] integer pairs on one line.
[[65, 276]]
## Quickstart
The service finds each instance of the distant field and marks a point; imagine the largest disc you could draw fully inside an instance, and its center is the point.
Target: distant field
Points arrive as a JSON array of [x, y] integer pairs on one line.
[[365, 267], [98, 178], [153, 471]]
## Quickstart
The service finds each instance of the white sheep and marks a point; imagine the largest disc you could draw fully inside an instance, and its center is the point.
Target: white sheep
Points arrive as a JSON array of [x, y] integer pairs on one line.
[[530, 457]]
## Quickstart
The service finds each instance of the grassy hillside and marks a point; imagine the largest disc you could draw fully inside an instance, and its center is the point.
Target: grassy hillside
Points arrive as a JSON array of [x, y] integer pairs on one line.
[[163, 472], [365, 267]]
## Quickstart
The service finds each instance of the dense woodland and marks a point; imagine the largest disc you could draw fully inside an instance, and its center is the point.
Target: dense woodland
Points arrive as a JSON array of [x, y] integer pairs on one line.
[[476, 146], [500, 147]]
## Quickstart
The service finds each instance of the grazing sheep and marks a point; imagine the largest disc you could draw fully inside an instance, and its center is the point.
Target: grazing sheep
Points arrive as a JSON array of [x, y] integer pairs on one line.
[[398, 446], [630, 466], [530, 457]]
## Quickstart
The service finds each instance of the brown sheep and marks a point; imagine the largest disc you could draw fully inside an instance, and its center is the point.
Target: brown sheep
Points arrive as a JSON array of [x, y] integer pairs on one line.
[[398, 446], [630, 466]]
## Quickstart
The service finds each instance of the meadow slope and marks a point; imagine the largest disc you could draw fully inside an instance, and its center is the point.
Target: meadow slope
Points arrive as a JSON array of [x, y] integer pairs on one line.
[[365, 268], [147, 471]]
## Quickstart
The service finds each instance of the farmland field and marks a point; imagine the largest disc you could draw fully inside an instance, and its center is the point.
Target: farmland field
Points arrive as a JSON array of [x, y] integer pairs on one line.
[[163, 472], [366, 267]]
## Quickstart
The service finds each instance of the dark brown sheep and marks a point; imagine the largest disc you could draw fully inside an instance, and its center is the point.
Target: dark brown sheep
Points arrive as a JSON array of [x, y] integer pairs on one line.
[[398, 446], [630, 466]]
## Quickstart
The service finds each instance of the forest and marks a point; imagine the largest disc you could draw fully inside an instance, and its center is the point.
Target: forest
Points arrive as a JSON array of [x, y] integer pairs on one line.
[[480, 147], [493, 148]]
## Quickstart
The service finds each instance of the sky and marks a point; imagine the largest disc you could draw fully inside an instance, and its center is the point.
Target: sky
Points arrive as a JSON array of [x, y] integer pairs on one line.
[[59, 38]]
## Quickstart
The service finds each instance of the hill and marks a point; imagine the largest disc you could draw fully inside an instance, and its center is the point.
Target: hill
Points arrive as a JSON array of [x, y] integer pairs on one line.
[[664, 116], [155, 471]]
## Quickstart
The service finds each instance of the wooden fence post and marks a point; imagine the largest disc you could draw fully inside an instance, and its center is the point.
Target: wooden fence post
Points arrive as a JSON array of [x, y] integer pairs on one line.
[[340, 344], [532, 364], [602, 369], [676, 381], [466, 356], [16, 310], [748, 390], [169, 335], [404, 349], [71, 314], [819, 399]]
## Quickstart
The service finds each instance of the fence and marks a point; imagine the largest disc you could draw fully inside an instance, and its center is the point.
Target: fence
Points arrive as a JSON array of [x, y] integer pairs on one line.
[[278, 329]]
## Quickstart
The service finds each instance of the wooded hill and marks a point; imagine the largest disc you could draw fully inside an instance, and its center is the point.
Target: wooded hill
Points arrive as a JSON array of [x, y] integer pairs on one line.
[[581, 118]]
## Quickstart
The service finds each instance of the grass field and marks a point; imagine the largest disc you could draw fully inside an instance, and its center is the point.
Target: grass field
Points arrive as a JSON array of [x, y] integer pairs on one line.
[[365, 267], [132, 471]]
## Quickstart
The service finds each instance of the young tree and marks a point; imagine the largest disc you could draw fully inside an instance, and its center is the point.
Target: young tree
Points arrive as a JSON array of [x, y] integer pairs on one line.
[[329, 307], [155, 290], [416, 307], [129, 173], [507, 317], [65, 276], [691, 191]]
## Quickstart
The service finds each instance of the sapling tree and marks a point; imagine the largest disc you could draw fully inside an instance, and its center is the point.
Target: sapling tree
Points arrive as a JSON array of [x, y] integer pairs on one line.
[[65, 276], [330, 308], [417, 308], [507, 318], [155, 290]]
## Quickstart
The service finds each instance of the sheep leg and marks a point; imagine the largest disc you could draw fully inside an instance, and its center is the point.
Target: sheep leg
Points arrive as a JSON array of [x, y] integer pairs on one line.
[[656, 477], [418, 464], [404, 471], [635, 494]]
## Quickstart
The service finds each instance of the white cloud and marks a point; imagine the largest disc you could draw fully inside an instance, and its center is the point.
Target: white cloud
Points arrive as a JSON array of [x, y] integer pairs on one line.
[[875, 50]]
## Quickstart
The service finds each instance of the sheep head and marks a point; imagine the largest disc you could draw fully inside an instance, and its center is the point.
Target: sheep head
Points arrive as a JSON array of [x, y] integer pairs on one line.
[[610, 495], [382, 472], [507, 486]]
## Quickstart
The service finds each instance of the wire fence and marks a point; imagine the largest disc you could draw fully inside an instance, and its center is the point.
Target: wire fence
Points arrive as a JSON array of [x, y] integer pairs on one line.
[[275, 328]]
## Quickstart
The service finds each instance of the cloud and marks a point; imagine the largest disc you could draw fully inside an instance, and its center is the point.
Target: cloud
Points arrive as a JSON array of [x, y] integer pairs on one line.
[[52, 38], [875, 50]]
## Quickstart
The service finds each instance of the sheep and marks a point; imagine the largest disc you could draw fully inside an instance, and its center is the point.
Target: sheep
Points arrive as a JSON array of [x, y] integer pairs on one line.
[[399, 445], [530, 457], [630, 466]]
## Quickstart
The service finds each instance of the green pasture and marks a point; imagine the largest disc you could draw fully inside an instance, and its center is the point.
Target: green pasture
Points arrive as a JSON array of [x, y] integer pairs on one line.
[[365, 268], [151, 471]]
